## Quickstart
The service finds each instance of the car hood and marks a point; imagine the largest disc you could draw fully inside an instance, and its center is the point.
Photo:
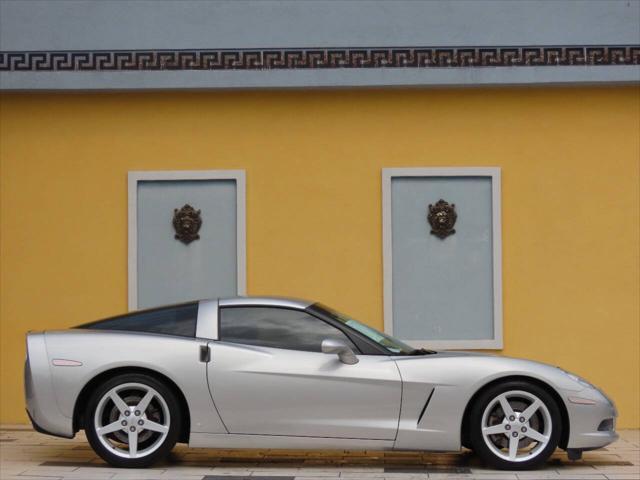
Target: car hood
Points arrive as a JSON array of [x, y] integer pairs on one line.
[[475, 367], [519, 361]]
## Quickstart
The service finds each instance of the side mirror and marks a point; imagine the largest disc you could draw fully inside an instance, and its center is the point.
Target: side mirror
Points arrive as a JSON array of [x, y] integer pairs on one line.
[[344, 352]]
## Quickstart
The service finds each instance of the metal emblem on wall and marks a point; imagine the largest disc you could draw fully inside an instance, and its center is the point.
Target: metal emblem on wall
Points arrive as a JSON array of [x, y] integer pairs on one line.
[[442, 217], [187, 222]]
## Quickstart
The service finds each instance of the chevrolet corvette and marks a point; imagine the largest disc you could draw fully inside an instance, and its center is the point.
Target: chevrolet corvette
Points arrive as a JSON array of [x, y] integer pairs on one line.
[[284, 373]]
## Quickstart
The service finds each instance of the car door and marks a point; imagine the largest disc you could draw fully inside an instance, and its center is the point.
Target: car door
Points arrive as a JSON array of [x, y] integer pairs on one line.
[[268, 376]]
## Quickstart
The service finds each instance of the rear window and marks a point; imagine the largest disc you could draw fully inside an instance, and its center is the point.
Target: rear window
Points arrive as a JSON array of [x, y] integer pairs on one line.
[[177, 320]]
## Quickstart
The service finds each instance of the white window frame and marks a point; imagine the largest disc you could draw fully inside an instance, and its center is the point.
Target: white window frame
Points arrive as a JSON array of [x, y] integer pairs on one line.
[[494, 173], [176, 175]]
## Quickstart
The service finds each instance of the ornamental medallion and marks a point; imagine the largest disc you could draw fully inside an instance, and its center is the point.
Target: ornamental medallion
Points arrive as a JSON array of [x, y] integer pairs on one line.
[[442, 217], [187, 223]]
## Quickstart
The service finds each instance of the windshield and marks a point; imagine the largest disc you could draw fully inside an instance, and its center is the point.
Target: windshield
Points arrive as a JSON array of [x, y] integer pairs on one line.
[[389, 343]]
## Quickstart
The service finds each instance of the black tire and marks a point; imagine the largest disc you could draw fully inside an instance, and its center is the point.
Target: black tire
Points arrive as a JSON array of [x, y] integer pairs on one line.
[[160, 448], [489, 456]]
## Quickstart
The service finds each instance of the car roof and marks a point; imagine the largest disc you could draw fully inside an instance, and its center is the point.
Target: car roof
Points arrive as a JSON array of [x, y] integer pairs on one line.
[[285, 302]]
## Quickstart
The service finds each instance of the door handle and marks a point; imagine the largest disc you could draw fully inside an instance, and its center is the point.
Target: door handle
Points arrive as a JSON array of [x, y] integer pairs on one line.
[[205, 353]]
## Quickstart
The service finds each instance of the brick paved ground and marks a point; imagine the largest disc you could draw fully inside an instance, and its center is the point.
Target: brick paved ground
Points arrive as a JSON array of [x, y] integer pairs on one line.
[[25, 454]]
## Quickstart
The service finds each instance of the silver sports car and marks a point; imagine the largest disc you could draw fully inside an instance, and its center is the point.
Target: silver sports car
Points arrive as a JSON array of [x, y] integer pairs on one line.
[[284, 373]]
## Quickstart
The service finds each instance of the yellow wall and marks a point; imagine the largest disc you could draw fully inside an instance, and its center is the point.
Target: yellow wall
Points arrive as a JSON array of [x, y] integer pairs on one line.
[[569, 158]]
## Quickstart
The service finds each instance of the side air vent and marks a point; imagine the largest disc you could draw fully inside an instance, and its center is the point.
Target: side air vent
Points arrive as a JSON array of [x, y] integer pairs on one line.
[[426, 404]]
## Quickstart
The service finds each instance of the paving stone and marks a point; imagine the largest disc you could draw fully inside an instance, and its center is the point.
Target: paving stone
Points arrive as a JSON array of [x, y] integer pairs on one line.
[[493, 476], [45, 472], [428, 469], [214, 477], [28, 477]]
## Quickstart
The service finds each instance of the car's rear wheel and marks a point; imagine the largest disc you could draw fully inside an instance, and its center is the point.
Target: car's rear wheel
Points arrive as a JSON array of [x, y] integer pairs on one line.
[[515, 425], [132, 420]]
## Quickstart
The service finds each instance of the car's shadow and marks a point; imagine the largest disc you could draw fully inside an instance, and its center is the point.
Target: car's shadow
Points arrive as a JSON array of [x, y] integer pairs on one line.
[[387, 462]]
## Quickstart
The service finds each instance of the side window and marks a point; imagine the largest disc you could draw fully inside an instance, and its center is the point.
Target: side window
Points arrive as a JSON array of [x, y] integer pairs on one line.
[[276, 328], [176, 320]]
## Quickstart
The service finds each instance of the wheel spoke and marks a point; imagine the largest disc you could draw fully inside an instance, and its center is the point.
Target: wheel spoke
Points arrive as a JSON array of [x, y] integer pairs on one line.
[[133, 444], [535, 435], [494, 429], [119, 403], [506, 407], [144, 403], [112, 427], [155, 427], [513, 447], [531, 409]]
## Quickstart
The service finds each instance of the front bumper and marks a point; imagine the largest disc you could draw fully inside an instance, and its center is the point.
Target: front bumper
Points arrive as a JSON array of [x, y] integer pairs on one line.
[[592, 419]]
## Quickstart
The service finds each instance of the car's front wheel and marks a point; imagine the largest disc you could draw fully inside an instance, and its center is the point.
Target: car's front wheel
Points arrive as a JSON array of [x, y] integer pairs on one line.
[[132, 420], [515, 425]]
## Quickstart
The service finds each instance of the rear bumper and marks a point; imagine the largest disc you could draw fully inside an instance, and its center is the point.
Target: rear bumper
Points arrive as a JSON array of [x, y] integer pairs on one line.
[[39, 429], [42, 407]]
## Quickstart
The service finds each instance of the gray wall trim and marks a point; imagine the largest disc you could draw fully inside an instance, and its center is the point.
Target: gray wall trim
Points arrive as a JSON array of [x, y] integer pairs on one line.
[[322, 67], [184, 24], [137, 176], [387, 251], [329, 78], [88, 45], [441, 56]]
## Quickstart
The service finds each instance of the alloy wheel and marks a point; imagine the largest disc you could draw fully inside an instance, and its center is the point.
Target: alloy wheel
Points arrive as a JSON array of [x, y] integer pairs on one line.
[[132, 420], [516, 426]]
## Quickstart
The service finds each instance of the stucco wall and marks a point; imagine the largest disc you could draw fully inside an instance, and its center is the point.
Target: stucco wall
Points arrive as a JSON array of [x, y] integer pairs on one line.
[[569, 160]]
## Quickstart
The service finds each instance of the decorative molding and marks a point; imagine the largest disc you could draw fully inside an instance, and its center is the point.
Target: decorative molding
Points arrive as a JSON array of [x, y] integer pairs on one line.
[[387, 251], [320, 58]]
